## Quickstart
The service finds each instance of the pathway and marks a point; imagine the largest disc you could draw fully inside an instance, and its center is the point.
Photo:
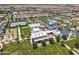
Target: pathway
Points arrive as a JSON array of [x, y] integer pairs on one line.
[[70, 49]]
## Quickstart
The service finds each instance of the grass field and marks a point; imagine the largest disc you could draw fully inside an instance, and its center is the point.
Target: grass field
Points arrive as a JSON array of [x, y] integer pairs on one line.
[[71, 43], [25, 32], [26, 49]]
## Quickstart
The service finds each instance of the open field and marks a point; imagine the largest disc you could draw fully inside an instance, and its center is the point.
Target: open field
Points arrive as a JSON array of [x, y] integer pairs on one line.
[[71, 43], [25, 32], [26, 48]]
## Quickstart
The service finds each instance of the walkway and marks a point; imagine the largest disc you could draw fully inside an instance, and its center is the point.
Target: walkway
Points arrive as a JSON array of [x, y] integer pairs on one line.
[[70, 49], [19, 34]]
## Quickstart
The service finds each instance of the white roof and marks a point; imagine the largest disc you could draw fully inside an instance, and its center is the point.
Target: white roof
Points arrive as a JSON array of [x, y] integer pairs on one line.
[[35, 29], [34, 25], [53, 21], [38, 34], [55, 31], [14, 12]]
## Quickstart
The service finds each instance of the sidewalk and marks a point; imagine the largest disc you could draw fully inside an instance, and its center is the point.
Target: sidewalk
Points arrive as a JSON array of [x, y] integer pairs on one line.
[[70, 49]]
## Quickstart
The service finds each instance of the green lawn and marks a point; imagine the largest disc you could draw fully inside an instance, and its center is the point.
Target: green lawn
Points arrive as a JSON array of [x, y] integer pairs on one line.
[[71, 43], [25, 32], [25, 48]]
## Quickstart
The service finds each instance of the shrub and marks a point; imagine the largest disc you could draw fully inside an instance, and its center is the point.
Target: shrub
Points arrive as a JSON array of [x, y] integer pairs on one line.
[[77, 45], [64, 37], [51, 41], [35, 45], [62, 44], [17, 40], [43, 43], [58, 38], [1, 50], [70, 51]]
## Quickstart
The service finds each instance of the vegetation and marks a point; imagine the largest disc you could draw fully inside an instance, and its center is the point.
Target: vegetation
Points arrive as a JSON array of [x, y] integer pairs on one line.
[[2, 12], [17, 40], [62, 43], [70, 51], [43, 18], [26, 48], [72, 43], [25, 32], [77, 45], [64, 37], [51, 41], [35, 45], [58, 38], [43, 43]]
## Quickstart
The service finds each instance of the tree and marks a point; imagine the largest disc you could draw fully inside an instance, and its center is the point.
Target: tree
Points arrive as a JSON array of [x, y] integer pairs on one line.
[[1, 47], [70, 51], [64, 37], [77, 45], [17, 40], [43, 43], [51, 41], [58, 38], [35, 45], [62, 44]]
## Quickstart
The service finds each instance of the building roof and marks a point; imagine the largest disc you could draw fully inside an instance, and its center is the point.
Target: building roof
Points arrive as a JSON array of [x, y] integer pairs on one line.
[[35, 29], [49, 19], [49, 27], [64, 32], [15, 13], [34, 25], [55, 32], [38, 34], [2, 25], [14, 24]]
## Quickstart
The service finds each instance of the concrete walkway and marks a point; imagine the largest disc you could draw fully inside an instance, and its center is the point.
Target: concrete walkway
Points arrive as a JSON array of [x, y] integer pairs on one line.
[[70, 49], [19, 34]]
